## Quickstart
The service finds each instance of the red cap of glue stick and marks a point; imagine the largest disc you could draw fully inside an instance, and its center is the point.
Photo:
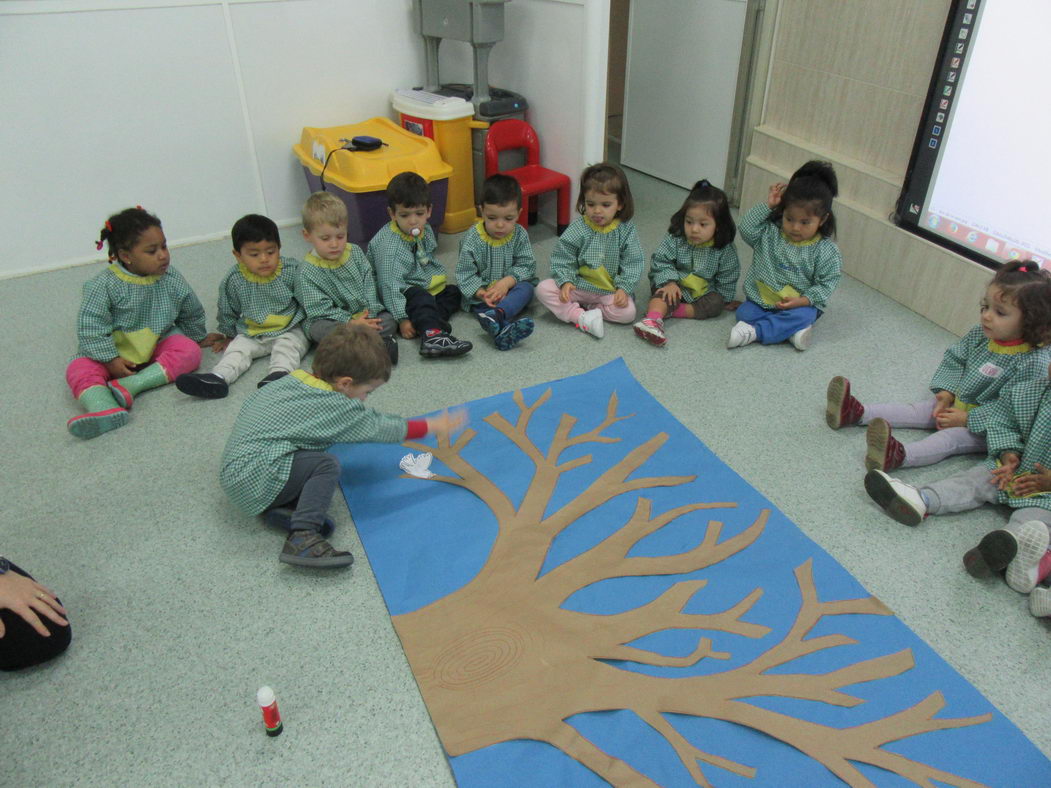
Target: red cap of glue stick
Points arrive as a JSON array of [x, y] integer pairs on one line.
[[271, 716]]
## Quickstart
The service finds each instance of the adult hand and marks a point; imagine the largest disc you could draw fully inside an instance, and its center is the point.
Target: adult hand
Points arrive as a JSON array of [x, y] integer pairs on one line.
[[405, 328], [27, 598]]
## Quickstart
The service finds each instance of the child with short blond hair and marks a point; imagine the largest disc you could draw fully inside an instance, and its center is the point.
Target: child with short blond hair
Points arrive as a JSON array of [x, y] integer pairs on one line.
[[336, 283]]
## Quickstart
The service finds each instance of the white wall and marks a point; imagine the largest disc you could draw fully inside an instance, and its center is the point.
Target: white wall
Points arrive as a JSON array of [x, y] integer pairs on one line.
[[190, 108], [554, 53]]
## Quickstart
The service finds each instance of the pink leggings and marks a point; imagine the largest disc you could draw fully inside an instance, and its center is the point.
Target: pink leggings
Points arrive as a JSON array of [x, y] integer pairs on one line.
[[548, 294], [176, 354]]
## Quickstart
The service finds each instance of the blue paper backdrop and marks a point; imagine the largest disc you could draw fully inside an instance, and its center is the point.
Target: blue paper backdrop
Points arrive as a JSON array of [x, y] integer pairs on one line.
[[425, 540]]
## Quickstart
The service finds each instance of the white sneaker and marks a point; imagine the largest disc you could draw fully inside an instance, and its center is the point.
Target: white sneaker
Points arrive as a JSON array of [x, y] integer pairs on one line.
[[591, 323], [1032, 544], [741, 334], [901, 501], [1040, 602], [801, 339]]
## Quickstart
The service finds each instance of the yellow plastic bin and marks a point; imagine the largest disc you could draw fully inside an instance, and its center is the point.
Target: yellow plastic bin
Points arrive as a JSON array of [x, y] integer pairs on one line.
[[448, 121], [360, 178]]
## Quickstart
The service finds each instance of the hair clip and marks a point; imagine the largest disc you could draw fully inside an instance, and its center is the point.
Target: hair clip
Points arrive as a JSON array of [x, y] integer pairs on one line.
[[139, 207], [109, 226]]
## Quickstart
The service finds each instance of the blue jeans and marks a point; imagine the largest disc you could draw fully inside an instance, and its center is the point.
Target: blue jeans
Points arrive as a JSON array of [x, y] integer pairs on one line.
[[776, 325], [517, 299]]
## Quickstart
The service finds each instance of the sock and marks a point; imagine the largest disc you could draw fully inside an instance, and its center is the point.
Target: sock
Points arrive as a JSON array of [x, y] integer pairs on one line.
[[654, 315], [1044, 568], [680, 310], [501, 315], [926, 499]]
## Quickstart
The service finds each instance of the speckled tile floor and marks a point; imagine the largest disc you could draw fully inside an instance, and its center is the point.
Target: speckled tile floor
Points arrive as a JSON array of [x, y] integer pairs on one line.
[[181, 611]]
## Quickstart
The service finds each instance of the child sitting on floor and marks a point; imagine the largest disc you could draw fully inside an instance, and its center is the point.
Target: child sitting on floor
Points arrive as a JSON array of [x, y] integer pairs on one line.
[[598, 259], [258, 313], [275, 461], [412, 282], [1009, 345], [1018, 434], [138, 326], [496, 269], [336, 284], [695, 269], [795, 264]]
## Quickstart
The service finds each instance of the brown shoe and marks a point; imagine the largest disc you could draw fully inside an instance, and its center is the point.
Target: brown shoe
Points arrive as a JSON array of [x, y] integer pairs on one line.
[[309, 548]]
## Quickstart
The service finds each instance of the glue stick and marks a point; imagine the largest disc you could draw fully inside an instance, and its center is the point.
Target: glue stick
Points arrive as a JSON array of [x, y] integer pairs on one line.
[[271, 716]]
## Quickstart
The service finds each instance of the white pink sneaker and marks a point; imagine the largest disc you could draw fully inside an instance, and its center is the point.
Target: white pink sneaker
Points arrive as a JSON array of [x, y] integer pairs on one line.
[[651, 330], [590, 322]]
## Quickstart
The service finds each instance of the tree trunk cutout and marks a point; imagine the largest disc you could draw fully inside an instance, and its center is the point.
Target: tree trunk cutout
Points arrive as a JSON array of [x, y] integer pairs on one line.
[[500, 660]]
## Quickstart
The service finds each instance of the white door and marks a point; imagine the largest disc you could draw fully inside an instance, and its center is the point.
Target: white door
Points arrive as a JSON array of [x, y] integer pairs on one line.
[[679, 87]]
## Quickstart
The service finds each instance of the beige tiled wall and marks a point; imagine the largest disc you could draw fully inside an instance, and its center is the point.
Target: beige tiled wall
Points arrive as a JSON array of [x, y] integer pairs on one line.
[[848, 81]]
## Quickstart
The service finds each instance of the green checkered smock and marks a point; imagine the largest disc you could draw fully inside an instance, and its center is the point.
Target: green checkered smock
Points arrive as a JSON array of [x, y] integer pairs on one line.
[[676, 258], [257, 306], [299, 411], [122, 314], [337, 290], [615, 248], [401, 262], [977, 370], [813, 267], [1022, 424], [484, 260]]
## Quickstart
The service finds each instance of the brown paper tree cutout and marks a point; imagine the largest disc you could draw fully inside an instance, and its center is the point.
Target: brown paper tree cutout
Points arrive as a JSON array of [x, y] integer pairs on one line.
[[500, 660]]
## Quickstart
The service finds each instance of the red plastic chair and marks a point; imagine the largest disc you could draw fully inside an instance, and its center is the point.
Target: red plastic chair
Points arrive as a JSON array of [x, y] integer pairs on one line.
[[512, 134]]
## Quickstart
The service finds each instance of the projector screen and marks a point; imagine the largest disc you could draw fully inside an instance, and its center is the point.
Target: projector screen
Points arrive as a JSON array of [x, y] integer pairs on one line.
[[979, 181]]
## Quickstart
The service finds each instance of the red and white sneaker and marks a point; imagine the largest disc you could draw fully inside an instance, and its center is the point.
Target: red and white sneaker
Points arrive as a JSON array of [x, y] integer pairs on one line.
[[885, 452], [842, 409], [651, 330]]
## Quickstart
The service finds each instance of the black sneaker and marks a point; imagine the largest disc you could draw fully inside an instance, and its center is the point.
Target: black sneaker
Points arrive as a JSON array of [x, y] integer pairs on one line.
[[392, 348], [270, 378], [444, 345], [205, 385], [309, 548]]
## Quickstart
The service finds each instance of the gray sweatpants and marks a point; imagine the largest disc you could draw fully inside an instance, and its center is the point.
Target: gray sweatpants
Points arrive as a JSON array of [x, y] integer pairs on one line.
[[936, 446], [968, 490], [285, 351]]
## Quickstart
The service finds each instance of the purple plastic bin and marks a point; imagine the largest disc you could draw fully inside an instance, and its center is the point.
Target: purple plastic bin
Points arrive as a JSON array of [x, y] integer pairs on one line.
[[367, 211]]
